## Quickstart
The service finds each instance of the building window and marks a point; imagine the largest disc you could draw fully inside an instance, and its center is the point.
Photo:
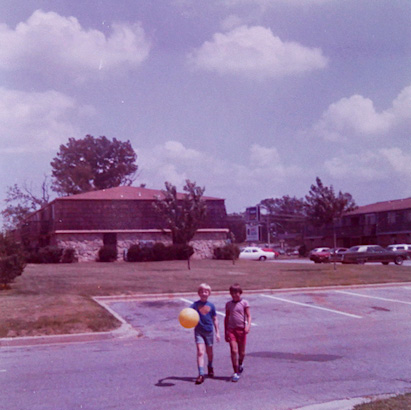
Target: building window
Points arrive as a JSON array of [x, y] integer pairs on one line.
[[370, 219], [391, 217]]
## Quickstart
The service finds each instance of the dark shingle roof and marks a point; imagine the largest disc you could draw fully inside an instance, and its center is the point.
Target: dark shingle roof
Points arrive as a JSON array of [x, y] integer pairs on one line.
[[123, 193], [394, 205]]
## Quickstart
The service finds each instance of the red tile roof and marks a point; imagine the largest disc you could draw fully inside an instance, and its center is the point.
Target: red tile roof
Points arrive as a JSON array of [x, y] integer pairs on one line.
[[394, 205], [123, 193]]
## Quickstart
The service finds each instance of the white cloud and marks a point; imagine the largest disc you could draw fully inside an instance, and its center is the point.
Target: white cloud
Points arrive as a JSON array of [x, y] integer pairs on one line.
[[399, 161], [38, 121], [357, 116], [48, 39], [175, 163], [373, 165], [255, 52]]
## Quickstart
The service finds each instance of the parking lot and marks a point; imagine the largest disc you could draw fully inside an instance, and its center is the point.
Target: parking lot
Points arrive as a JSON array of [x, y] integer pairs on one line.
[[306, 347], [310, 346]]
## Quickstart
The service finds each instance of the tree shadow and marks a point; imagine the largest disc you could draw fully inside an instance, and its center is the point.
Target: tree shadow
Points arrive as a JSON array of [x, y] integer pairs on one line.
[[168, 381]]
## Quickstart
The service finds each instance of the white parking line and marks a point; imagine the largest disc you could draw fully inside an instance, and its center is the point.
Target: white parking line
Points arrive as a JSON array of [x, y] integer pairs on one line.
[[372, 297], [312, 306], [218, 313]]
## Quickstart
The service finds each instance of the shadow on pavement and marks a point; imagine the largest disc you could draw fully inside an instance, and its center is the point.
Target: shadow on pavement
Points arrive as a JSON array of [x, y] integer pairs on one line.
[[167, 381]]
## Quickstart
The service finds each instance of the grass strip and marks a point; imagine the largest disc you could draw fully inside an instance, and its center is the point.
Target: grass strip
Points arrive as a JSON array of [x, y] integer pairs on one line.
[[57, 299]]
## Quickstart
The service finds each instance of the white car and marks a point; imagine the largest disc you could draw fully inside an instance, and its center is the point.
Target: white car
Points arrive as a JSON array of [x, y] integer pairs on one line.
[[256, 254]]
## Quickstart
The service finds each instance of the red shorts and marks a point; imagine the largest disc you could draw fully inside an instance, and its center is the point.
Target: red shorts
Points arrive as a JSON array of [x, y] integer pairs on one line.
[[237, 335]]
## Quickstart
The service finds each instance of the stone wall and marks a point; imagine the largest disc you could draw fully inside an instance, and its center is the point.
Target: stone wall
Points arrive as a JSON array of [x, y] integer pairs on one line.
[[87, 245]]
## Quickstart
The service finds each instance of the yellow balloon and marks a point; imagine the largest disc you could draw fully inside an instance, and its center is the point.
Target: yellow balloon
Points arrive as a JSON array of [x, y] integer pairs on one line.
[[188, 318]]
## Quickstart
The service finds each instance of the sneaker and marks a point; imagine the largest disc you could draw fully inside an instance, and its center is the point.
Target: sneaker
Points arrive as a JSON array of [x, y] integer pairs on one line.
[[235, 378], [200, 379], [240, 369], [210, 371]]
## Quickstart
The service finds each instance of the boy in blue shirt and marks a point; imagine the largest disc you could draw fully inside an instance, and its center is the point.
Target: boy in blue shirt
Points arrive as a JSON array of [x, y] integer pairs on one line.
[[204, 331]]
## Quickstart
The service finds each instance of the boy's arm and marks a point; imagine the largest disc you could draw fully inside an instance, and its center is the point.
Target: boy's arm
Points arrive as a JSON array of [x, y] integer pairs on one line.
[[227, 314], [248, 317], [217, 330]]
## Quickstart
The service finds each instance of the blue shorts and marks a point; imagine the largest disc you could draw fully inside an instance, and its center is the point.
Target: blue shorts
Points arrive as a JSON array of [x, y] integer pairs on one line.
[[202, 336]]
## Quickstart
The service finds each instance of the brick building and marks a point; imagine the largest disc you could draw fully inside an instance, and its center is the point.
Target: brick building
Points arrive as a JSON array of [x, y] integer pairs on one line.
[[119, 216], [381, 223]]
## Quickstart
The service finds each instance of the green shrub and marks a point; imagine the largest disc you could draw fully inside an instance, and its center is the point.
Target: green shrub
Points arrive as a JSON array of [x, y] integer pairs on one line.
[[161, 252], [158, 252], [50, 254], [227, 252], [107, 254], [134, 254], [12, 261], [69, 256], [180, 251]]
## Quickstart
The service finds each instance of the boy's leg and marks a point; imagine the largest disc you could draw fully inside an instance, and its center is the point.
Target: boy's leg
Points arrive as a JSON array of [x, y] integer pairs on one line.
[[200, 357], [241, 350], [234, 355], [200, 362], [210, 355]]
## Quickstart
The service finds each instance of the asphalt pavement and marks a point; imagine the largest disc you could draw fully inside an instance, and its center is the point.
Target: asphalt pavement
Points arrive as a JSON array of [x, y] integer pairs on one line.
[[308, 350]]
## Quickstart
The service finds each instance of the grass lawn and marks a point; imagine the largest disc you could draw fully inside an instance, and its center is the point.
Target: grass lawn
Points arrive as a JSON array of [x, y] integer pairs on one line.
[[56, 299], [401, 402]]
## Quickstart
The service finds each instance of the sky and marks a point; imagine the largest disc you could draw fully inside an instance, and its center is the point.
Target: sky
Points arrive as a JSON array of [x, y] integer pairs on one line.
[[251, 99]]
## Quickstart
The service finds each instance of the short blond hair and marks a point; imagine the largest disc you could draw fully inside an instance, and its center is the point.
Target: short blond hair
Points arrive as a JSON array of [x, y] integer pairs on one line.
[[204, 286]]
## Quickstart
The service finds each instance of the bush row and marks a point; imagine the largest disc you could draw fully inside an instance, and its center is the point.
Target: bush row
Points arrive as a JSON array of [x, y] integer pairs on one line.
[[143, 253], [51, 254]]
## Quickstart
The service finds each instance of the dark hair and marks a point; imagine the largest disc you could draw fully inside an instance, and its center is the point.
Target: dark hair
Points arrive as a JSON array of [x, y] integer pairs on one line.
[[236, 288]]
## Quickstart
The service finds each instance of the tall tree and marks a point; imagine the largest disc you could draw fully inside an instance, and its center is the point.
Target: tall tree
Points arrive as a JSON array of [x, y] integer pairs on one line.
[[182, 216], [285, 214], [21, 201], [323, 205], [93, 163], [285, 206]]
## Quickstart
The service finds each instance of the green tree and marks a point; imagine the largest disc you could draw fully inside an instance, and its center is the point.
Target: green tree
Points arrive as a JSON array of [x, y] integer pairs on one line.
[[12, 262], [182, 214], [323, 205], [285, 214], [284, 206], [21, 201], [91, 164]]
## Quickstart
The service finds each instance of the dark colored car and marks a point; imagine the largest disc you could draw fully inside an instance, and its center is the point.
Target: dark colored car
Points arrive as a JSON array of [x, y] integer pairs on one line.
[[336, 254], [372, 253], [325, 255]]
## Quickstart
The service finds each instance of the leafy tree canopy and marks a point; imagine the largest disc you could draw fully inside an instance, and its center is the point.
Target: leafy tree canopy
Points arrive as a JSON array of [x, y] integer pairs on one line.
[[323, 205], [285, 206], [91, 164], [182, 216]]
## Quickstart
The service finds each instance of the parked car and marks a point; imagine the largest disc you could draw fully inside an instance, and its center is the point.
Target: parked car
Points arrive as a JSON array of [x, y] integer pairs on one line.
[[372, 253], [320, 255], [336, 254], [324, 255], [276, 254], [256, 254], [400, 247]]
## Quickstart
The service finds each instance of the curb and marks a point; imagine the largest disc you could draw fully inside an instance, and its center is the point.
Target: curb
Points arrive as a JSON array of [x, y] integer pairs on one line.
[[344, 404], [124, 331]]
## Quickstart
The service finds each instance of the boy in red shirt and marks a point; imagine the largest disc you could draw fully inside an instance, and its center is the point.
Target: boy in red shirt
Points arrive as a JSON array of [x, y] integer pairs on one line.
[[237, 325]]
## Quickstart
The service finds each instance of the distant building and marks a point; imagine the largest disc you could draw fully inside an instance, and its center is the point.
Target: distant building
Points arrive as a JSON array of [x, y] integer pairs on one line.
[[382, 223], [119, 217]]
